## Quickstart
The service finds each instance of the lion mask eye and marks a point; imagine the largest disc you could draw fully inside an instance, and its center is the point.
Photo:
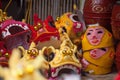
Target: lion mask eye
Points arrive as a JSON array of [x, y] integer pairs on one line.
[[74, 18], [49, 54]]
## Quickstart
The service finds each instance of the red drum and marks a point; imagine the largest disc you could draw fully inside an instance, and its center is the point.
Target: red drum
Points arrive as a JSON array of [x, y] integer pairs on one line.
[[117, 58], [98, 11], [115, 20]]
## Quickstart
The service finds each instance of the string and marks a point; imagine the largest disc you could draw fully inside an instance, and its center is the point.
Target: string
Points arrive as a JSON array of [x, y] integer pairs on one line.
[[7, 5], [29, 11], [27, 16]]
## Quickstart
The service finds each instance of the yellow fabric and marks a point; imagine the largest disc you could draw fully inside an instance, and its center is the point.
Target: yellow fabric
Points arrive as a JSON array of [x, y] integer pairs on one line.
[[103, 63], [96, 70], [106, 41]]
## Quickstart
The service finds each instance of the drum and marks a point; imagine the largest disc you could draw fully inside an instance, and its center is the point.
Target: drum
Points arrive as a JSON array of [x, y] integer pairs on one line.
[[117, 58], [98, 11], [115, 20]]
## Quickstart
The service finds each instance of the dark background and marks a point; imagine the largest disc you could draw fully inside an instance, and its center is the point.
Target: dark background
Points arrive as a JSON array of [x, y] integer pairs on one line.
[[16, 9]]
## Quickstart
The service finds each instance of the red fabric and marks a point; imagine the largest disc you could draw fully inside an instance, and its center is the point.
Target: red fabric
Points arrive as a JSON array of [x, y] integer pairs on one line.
[[117, 77]]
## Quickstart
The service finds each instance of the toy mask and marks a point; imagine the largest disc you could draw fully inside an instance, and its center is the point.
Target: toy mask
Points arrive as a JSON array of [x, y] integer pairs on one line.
[[98, 50], [64, 60], [43, 32], [98, 61], [23, 70], [12, 34], [15, 33], [96, 37], [71, 24]]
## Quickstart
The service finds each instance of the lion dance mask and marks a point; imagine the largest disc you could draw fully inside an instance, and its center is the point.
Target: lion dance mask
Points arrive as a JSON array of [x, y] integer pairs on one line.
[[44, 32], [65, 60], [72, 25], [12, 34]]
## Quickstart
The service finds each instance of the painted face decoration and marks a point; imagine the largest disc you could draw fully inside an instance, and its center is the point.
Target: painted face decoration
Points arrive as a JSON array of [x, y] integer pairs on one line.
[[98, 61], [97, 53], [94, 35]]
